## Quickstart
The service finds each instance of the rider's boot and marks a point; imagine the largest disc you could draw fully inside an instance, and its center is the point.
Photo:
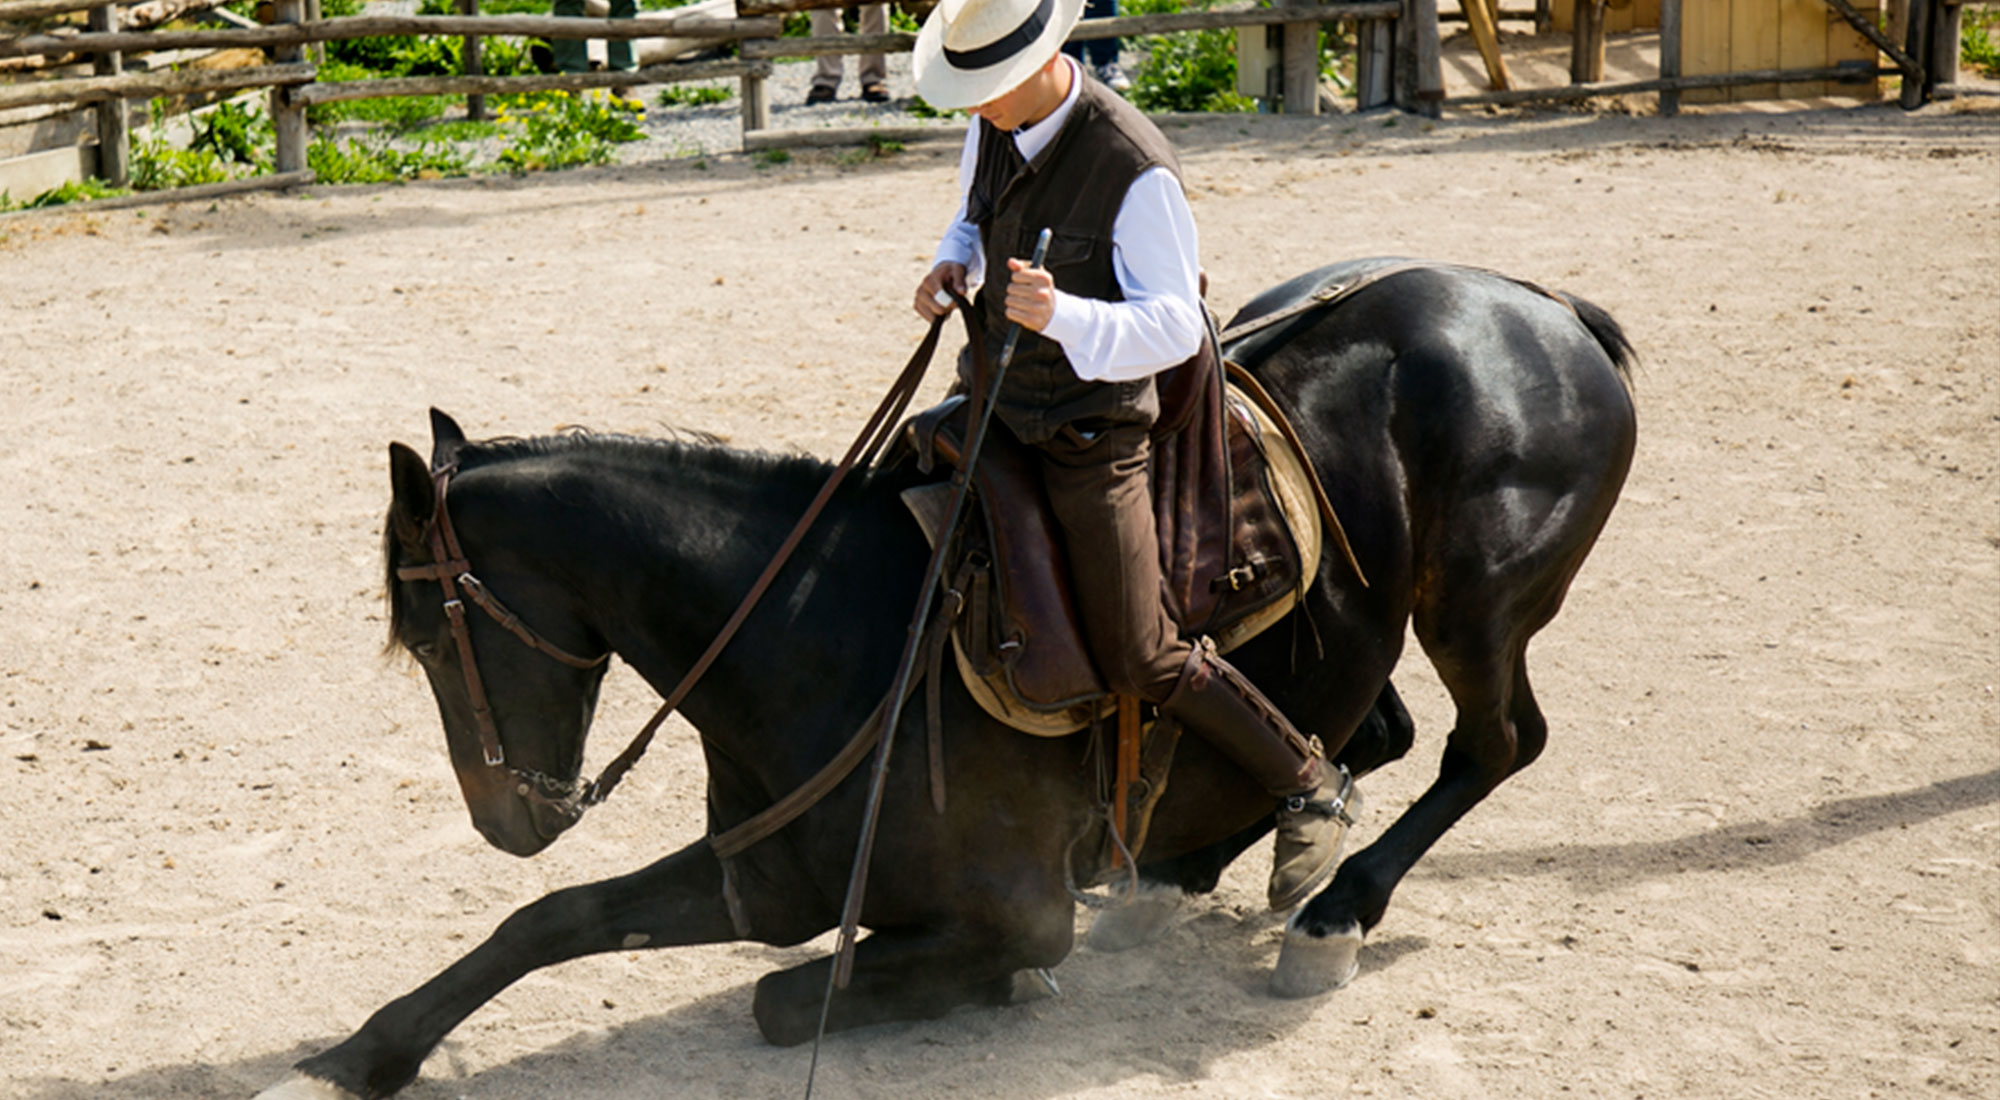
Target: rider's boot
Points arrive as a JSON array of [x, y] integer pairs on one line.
[[1214, 701]]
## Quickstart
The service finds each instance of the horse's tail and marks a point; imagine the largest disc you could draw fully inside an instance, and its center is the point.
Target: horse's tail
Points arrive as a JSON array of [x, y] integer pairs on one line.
[[1609, 335]]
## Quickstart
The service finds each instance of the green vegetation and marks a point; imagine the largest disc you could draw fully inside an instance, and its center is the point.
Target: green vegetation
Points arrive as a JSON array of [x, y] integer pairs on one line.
[[1979, 40], [560, 130], [694, 95], [73, 191], [1188, 71]]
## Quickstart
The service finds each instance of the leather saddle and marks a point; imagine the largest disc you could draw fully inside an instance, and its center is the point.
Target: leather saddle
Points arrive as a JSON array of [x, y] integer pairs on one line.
[[1240, 540]]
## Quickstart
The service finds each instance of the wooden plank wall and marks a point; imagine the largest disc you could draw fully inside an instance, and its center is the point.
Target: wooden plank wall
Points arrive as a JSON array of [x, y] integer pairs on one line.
[[1620, 16], [1723, 36]]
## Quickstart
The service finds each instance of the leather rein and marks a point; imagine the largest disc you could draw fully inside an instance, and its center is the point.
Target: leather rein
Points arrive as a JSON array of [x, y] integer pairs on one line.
[[452, 571]]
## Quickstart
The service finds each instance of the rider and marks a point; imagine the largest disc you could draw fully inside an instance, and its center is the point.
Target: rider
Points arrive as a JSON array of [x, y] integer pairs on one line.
[[1116, 302]]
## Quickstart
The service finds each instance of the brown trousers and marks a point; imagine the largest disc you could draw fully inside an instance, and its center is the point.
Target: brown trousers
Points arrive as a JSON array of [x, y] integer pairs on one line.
[[1101, 493]]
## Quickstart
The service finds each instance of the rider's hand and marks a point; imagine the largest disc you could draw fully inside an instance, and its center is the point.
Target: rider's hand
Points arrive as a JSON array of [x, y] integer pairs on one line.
[[947, 275], [1031, 296]]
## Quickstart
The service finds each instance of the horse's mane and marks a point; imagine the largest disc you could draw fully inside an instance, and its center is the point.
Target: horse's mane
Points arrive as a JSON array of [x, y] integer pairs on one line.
[[682, 450]]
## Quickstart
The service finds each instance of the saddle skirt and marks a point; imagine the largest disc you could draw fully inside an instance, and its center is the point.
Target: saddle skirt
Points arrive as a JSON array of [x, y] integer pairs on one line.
[[1240, 540]]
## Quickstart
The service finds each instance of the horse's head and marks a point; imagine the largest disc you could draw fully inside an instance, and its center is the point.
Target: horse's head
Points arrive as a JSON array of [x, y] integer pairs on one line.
[[516, 699]]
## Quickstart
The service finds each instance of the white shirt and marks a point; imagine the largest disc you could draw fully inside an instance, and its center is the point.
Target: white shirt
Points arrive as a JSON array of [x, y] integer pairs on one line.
[[1154, 255]]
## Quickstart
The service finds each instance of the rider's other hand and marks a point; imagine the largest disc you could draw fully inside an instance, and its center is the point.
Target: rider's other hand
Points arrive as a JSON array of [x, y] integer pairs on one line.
[[1031, 296], [932, 301]]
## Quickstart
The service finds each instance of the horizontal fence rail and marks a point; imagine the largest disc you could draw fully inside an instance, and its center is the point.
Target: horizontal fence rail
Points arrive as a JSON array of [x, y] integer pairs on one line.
[[381, 26]]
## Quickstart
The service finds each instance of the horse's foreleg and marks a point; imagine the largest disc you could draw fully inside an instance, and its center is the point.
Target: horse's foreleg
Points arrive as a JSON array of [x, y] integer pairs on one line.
[[676, 901], [1499, 731], [920, 973]]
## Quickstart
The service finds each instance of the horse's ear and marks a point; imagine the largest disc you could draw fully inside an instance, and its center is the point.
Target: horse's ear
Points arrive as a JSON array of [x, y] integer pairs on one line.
[[415, 500], [446, 438]]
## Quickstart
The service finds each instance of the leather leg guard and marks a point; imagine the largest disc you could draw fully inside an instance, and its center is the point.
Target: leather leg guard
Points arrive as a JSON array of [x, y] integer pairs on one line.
[[1213, 700]]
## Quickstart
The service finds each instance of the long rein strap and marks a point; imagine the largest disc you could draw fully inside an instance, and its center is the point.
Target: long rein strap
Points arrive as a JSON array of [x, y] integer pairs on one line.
[[880, 427]]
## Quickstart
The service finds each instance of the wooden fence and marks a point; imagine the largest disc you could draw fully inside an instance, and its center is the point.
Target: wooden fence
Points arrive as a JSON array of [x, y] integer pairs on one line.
[[1396, 59]]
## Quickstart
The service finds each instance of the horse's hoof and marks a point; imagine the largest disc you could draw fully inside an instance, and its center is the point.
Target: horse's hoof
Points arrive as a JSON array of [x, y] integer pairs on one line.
[[1139, 921], [1309, 965], [301, 1087]]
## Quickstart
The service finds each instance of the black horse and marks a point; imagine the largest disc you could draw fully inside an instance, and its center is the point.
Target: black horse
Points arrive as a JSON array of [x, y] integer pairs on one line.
[[1472, 432]]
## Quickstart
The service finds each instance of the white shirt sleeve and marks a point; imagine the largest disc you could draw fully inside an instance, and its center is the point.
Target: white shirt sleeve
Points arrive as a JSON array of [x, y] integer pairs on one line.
[[961, 242], [1155, 257]]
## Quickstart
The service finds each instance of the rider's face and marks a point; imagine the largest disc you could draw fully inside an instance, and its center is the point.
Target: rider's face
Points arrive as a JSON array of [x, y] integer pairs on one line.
[[1031, 100]]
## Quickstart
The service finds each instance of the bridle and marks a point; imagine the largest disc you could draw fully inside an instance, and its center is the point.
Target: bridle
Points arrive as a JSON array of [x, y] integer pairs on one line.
[[453, 571], [570, 797]]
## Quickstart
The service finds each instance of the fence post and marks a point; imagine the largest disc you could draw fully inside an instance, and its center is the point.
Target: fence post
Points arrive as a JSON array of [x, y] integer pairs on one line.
[[1430, 66], [1670, 56], [1942, 66], [1586, 46], [1374, 63], [1918, 46], [114, 115], [1301, 65], [288, 119], [471, 63]]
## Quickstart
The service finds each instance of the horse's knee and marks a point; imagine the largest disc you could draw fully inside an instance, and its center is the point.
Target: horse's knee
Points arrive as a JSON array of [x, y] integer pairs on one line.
[[785, 1018]]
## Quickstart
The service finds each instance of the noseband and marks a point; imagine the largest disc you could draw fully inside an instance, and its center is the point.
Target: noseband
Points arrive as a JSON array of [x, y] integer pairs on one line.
[[452, 571]]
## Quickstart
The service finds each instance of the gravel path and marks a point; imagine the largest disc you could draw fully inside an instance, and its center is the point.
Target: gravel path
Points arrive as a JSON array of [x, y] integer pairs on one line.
[[718, 128]]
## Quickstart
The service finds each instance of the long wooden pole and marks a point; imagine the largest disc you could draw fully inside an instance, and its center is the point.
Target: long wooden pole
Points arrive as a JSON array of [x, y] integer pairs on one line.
[[1670, 56], [515, 85], [1572, 92], [147, 85], [288, 115], [377, 26], [1917, 44]]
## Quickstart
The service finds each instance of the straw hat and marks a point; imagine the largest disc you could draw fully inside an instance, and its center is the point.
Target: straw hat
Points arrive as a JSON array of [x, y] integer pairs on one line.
[[974, 51]]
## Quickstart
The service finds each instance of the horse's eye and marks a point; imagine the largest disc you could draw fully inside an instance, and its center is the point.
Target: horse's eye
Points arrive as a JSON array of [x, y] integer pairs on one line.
[[425, 652]]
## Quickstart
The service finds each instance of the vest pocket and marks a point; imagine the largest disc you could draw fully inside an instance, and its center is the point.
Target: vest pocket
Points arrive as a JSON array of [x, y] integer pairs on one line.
[[1067, 249]]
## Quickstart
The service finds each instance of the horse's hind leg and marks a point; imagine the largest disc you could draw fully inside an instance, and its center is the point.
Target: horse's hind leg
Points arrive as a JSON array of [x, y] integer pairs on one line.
[[677, 901]]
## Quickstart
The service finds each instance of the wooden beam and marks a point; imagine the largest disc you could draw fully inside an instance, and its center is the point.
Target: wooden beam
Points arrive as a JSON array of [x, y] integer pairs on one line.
[[378, 26], [1916, 44], [1486, 35], [1429, 63], [755, 141], [114, 116], [1573, 92], [515, 85], [205, 192], [1670, 56], [1868, 29], [1300, 58], [92, 89]]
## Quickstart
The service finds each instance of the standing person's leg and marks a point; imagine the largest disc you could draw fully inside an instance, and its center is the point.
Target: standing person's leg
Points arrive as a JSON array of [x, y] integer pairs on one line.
[[827, 71], [1103, 52], [618, 51], [874, 72], [572, 54]]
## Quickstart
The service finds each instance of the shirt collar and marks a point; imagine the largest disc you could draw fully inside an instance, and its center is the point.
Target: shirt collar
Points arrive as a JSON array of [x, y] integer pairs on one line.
[[1031, 140]]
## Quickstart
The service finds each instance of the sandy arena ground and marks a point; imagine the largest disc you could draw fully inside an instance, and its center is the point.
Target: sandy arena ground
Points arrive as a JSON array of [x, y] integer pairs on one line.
[[1761, 857]]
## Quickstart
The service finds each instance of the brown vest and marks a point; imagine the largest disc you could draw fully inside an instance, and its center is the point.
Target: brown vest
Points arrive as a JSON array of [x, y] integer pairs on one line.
[[1074, 187]]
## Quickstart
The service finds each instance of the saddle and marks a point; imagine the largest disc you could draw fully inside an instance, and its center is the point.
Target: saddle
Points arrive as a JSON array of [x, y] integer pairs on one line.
[[1239, 531]]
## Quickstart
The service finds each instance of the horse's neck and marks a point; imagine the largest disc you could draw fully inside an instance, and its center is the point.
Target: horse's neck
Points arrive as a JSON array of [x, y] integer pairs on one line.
[[664, 556]]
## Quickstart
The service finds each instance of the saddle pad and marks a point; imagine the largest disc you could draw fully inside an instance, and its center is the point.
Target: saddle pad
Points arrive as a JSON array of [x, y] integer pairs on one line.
[[1016, 641]]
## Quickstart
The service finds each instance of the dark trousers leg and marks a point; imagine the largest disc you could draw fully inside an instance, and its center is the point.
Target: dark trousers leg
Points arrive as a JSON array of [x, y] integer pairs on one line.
[[1101, 493]]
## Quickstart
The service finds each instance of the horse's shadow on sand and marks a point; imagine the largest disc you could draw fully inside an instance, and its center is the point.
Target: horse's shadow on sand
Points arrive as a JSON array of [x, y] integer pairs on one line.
[[1749, 845], [1168, 1010]]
